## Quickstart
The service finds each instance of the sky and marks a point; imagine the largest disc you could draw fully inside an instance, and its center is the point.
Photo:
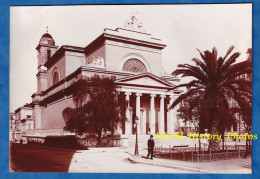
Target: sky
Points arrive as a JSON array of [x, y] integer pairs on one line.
[[183, 28]]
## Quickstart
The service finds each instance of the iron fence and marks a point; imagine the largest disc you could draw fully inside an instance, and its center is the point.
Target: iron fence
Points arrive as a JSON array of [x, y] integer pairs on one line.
[[187, 153]]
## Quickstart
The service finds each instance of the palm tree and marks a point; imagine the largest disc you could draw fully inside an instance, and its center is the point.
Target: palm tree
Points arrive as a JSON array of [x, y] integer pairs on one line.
[[215, 80]]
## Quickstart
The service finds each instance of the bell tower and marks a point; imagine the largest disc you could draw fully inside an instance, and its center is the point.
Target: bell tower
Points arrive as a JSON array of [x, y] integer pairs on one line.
[[46, 48]]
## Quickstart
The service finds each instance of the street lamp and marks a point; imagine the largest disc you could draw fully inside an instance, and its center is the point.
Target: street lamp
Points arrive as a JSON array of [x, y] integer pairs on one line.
[[136, 141]]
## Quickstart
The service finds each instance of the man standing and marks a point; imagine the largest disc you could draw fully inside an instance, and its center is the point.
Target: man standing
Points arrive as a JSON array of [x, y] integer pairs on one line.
[[150, 144]]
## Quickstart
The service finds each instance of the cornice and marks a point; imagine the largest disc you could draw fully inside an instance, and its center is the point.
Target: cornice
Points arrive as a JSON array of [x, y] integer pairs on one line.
[[119, 38], [61, 52]]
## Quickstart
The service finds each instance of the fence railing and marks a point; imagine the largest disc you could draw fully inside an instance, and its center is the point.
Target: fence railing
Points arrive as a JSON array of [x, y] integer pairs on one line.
[[193, 154]]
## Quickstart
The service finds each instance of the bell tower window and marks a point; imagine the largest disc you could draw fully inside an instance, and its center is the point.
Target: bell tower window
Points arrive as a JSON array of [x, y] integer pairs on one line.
[[48, 54]]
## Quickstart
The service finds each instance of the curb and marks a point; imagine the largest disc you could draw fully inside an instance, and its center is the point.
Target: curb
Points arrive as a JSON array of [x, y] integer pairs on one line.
[[173, 167]]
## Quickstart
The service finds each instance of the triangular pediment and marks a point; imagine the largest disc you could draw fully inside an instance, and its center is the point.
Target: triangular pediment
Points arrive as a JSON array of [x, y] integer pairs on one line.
[[145, 79]]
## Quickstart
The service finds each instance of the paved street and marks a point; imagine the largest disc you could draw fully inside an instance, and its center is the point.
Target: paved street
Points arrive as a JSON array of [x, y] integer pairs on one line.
[[112, 160], [232, 166], [37, 158]]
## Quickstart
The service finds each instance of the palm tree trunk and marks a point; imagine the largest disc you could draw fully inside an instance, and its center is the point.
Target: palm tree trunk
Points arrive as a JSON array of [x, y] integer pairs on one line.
[[223, 141], [199, 146], [99, 138], [99, 134], [213, 143]]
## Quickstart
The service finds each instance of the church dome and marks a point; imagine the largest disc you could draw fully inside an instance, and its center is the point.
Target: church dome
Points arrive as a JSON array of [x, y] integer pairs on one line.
[[47, 39]]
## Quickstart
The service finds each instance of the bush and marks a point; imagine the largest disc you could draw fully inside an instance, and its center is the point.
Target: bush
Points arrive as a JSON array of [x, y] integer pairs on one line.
[[61, 141]]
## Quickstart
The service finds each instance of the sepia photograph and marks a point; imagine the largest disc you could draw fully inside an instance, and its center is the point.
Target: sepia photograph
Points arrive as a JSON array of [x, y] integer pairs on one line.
[[131, 89]]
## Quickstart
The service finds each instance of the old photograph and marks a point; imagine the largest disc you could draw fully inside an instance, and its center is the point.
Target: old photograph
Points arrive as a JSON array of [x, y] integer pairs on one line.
[[131, 88]]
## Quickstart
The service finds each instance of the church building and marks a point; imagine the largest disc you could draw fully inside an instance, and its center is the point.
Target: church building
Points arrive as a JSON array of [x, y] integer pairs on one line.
[[133, 56]]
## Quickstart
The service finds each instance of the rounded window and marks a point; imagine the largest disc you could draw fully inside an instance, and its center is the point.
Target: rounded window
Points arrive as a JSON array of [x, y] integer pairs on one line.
[[134, 65], [55, 78]]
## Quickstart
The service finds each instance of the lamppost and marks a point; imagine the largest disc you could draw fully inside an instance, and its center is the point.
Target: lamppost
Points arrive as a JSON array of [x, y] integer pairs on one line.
[[206, 131], [136, 141]]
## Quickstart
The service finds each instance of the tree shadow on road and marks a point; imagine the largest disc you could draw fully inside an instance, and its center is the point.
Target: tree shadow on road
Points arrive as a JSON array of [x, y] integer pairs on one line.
[[39, 158]]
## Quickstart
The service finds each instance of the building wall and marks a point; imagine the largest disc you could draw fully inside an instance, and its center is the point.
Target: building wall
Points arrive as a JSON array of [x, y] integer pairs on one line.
[[157, 110], [145, 103], [21, 114], [100, 51], [41, 82], [52, 114], [60, 65], [74, 60], [117, 53]]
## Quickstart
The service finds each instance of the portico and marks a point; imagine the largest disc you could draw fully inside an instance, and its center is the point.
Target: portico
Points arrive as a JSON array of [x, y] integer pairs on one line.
[[149, 103]]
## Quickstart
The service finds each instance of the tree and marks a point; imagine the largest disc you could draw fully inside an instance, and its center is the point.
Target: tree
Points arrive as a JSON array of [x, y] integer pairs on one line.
[[214, 81], [225, 120], [189, 110], [246, 115], [98, 106]]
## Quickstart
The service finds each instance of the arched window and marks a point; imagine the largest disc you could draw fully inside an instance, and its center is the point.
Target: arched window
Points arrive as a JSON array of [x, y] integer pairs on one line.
[[55, 78], [134, 65]]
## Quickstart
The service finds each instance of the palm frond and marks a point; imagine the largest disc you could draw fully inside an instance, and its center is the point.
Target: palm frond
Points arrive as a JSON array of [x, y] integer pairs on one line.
[[228, 52], [184, 96]]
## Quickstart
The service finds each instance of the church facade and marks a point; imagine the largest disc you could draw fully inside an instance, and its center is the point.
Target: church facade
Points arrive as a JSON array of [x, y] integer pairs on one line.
[[134, 57]]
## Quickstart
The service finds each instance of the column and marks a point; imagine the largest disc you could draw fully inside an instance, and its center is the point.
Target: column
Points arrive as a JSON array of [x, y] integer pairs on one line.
[[152, 115], [138, 108], [170, 119], [118, 128], [161, 119], [143, 121], [128, 122], [176, 122]]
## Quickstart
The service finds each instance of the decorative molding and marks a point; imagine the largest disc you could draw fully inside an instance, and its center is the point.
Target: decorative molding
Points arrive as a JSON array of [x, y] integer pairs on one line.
[[152, 95], [163, 96], [138, 94], [128, 93]]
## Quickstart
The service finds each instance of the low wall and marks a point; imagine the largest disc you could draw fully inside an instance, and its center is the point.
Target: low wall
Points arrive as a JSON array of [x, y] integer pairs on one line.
[[70, 141]]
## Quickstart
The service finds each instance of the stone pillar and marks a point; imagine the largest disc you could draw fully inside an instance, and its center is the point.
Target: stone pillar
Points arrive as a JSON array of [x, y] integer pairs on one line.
[[143, 122], [168, 119], [176, 122], [118, 128], [171, 118], [37, 116], [161, 119], [138, 108], [128, 122], [152, 115]]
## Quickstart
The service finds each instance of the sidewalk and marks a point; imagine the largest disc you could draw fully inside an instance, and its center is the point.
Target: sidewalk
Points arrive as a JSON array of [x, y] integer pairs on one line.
[[238, 166]]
